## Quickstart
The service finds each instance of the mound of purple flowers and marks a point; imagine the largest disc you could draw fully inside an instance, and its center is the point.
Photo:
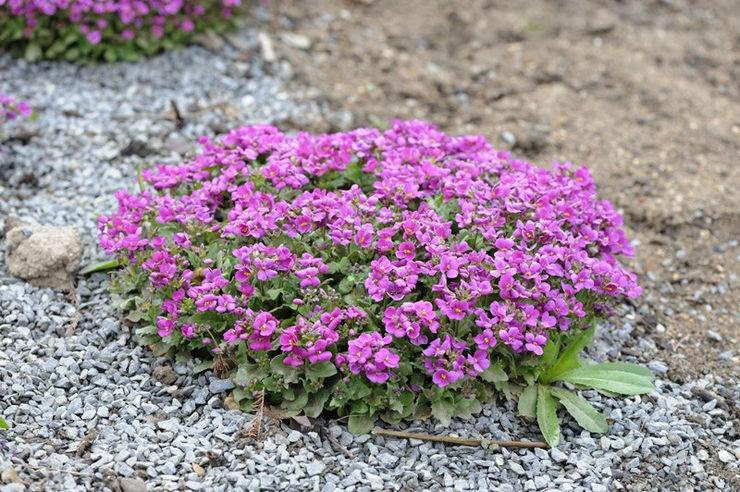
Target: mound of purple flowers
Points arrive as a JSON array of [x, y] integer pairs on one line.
[[366, 272], [72, 29], [11, 109]]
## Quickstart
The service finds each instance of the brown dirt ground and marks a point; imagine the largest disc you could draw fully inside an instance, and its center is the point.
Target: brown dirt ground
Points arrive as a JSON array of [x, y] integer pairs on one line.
[[646, 93]]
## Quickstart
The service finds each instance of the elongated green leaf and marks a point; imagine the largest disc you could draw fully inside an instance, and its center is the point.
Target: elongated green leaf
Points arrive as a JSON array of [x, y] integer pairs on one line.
[[568, 359], [618, 377], [587, 416], [494, 374], [547, 418], [100, 266], [552, 348], [360, 423], [3, 424], [528, 402]]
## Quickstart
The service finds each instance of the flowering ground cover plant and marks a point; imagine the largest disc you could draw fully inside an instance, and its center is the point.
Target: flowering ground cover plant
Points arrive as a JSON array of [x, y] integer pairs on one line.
[[11, 109], [392, 275], [108, 30]]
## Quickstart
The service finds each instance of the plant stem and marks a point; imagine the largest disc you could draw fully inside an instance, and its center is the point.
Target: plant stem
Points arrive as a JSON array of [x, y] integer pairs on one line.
[[459, 441]]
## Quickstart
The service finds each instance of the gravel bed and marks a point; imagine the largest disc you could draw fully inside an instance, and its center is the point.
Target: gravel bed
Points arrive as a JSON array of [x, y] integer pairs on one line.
[[82, 397]]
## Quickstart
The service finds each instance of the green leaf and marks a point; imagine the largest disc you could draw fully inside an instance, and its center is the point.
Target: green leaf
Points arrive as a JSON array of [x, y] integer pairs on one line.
[[203, 366], [618, 377], [316, 402], [528, 402], [300, 402], [249, 374], [443, 410], [494, 374], [289, 373], [547, 419], [33, 52], [550, 351], [273, 294], [3, 424], [213, 319], [587, 416], [378, 122], [360, 423], [320, 370], [339, 266], [358, 390], [568, 359], [100, 266], [346, 285], [465, 408]]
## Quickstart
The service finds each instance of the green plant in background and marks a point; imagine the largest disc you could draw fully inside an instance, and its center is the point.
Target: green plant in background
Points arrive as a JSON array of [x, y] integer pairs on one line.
[[108, 31]]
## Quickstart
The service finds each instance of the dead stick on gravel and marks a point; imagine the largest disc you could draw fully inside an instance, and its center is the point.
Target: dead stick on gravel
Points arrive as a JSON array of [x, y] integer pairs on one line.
[[56, 470], [460, 441]]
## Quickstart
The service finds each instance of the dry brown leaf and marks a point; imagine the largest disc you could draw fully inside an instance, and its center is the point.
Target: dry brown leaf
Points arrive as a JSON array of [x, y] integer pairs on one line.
[[198, 469]]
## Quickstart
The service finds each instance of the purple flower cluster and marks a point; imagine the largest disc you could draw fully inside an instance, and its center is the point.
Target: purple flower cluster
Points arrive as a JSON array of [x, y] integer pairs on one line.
[[369, 354], [439, 250], [11, 109], [94, 17]]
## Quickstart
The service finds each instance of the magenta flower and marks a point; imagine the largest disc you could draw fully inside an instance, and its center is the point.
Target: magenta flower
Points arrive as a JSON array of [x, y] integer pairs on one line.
[[479, 360], [534, 343], [485, 339], [165, 325], [406, 251], [94, 37]]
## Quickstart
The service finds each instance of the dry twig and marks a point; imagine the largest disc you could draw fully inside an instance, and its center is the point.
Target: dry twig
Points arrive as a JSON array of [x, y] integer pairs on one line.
[[255, 425], [459, 441]]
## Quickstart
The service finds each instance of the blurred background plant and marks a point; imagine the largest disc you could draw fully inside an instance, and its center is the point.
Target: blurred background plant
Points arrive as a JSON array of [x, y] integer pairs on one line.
[[87, 31]]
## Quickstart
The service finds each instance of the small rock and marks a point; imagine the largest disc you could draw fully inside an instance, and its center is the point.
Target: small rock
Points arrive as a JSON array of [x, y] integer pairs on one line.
[[725, 456], [164, 374], [315, 468], [387, 460], [658, 367], [45, 258], [517, 468], [296, 41], [268, 52], [558, 455], [220, 385], [602, 22], [713, 336], [375, 482], [132, 485], [168, 425]]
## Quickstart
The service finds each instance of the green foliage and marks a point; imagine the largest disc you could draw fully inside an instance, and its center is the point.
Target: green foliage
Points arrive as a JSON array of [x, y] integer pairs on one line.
[[547, 419], [537, 398], [58, 38], [100, 266]]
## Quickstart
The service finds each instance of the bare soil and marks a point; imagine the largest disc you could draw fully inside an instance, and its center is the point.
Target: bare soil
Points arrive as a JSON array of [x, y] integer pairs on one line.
[[646, 93]]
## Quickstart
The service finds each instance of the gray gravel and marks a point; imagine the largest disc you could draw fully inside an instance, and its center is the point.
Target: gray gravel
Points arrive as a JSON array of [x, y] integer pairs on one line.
[[79, 393]]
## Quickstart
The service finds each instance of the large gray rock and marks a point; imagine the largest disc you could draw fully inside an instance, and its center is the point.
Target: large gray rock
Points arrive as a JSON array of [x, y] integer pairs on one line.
[[45, 256]]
